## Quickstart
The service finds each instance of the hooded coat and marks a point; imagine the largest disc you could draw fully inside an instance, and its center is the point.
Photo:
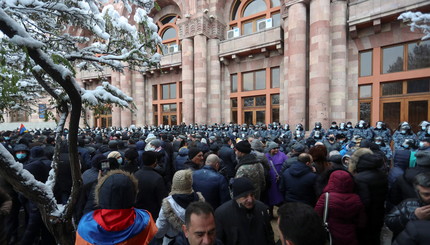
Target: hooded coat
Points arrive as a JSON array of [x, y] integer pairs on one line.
[[401, 162], [373, 188], [181, 158], [172, 214], [117, 222], [345, 209]]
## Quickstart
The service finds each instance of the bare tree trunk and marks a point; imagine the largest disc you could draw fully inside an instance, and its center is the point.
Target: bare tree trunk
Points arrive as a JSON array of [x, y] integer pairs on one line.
[[58, 221]]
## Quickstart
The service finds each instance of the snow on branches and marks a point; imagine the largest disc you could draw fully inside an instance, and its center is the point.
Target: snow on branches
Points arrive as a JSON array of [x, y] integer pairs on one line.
[[417, 20], [105, 93], [88, 31]]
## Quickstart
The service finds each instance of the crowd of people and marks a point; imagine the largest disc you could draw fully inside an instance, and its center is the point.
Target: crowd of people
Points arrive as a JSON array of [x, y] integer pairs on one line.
[[220, 184]]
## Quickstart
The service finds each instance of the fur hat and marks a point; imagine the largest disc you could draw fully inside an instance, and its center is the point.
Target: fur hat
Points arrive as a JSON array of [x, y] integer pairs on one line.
[[182, 182], [243, 146], [114, 154], [423, 158], [353, 161], [271, 145], [242, 187]]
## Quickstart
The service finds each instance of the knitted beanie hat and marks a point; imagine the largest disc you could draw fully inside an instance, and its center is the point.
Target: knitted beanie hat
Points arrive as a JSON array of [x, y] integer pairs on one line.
[[271, 145], [192, 152], [114, 154], [243, 146], [242, 187], [182, 182]]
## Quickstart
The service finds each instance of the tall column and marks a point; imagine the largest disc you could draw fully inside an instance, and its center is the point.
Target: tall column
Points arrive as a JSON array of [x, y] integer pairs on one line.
[[188, 80], [319, 62], [126, 88], [139, 98], [116, 111], [214, 103], [200, 79], [296, 63], [338, 86]]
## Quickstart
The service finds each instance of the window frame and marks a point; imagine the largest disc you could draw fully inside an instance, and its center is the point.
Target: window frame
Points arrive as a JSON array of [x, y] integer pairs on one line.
[[164, 27], [240, 20]]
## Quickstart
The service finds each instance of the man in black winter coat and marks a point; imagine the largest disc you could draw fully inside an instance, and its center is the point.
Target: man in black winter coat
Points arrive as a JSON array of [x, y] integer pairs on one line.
[[228, 157], [372, 187], [411, 209], [416, 233], [152, 188], [243, 220]]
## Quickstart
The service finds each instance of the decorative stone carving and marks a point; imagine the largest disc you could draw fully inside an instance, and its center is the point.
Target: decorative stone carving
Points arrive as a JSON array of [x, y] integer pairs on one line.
[[292, 2], [210, 27]]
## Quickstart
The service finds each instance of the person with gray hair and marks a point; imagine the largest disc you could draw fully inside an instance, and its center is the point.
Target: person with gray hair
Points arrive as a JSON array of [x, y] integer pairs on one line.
[[411, 209], [211, 183]]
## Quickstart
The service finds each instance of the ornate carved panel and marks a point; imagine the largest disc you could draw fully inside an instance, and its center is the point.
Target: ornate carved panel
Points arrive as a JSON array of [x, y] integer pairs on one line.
[[205, 25]]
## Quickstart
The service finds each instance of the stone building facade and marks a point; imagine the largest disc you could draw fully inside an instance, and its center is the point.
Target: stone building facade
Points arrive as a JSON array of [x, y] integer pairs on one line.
[[292, 61]]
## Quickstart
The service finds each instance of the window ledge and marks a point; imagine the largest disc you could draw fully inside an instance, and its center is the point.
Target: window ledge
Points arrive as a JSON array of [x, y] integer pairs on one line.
[[261, 41]]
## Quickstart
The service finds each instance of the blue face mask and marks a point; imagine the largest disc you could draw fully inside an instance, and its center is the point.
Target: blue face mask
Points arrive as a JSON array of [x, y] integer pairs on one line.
[[421, 145], [21, 155], [405, 146], [119, 160], [6, 138]]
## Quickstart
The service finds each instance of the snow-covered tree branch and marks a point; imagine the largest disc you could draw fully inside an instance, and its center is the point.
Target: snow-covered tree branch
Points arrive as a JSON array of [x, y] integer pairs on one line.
[[52, 39], [417, 20]]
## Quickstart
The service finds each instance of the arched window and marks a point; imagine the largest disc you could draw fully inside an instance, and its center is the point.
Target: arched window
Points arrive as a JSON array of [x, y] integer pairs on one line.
[[168, 32], [246, 14]]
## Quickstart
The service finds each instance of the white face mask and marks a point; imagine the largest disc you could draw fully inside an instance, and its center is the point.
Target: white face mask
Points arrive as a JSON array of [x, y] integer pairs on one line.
[[403, 132], [379, 125], [360, 125], [423, 128]]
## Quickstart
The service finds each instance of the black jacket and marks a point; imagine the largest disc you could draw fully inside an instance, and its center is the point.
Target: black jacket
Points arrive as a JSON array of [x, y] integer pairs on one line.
[[228, 157], [298, 184], [180, 239], [416, 233], [372, 186], [400, 215], [403, 187], [238, 226], [152, 190]]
